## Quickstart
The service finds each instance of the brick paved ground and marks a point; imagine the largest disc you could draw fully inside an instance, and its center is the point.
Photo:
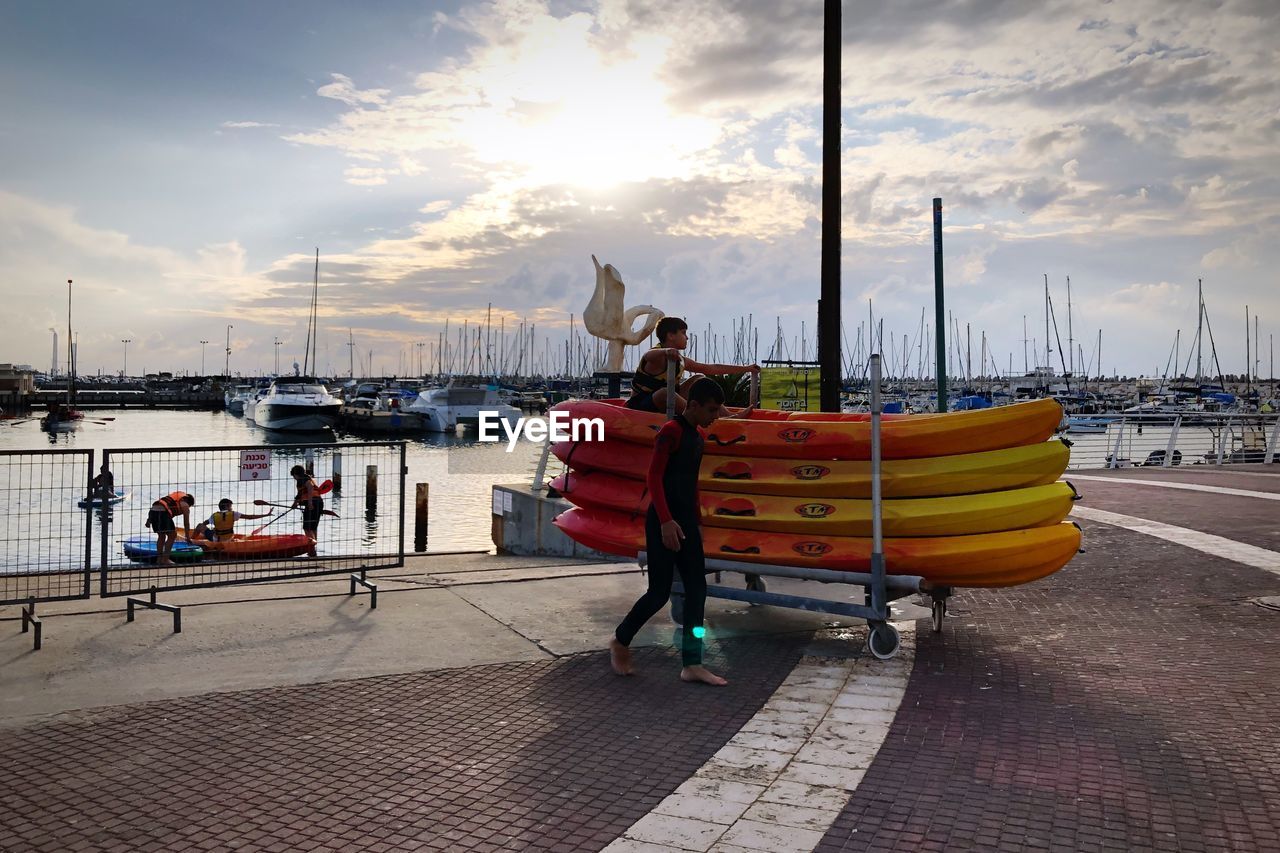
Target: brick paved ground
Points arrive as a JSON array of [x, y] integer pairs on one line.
[[1129, 702], [558, 755]]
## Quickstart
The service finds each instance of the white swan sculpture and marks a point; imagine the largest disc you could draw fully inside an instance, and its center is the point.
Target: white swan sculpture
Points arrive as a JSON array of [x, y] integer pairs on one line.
[[605, 318]]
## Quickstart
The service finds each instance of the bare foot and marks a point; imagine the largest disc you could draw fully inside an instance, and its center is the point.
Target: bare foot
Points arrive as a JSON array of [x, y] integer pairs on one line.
[[702, 674], [620, 658]]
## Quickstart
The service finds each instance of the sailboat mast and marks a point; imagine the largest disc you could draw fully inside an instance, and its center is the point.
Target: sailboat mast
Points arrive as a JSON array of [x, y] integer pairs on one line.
[[71, 363], [1047, 348], [1071, 344], [1199, 331]]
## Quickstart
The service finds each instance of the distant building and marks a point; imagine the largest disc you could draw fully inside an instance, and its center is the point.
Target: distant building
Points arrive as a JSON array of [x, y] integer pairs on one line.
[[17, 384]]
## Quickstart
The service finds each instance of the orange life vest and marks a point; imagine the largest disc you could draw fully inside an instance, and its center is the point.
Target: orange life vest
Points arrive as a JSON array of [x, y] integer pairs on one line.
[[172, 502]]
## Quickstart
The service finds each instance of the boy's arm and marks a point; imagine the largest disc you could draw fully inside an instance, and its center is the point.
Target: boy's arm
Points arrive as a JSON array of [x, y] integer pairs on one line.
[[666, 444], [699, 367]]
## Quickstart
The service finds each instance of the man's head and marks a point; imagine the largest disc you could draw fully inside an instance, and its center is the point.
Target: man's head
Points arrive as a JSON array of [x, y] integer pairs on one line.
[[188, 500], [672, 332], [705, 403], [224, 504], [297, 471]]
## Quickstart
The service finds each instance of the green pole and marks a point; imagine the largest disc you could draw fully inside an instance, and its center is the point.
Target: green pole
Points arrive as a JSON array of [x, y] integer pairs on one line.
[[940, 315]]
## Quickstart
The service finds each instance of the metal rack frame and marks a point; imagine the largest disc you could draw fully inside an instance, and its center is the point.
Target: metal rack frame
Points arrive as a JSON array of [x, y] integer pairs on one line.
[[880, 588]]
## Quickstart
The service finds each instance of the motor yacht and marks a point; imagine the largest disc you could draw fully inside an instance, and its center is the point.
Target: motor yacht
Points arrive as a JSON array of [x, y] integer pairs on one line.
[[446, 409], [295, 404]]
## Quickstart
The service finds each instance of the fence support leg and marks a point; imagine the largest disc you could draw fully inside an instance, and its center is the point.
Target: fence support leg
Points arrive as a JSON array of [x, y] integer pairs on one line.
[[30, 619], [367, 584], [152, 604], [1271, 442]]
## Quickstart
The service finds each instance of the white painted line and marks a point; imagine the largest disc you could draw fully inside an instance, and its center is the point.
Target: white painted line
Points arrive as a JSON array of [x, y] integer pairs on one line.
[[780, 783], [1190, 487], [1218, 546]]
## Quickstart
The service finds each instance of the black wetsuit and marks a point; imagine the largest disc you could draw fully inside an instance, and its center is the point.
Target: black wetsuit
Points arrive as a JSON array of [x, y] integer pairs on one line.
[[673, 486]]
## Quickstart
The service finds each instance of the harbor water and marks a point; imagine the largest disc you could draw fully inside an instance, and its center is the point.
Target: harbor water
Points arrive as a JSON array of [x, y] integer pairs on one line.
[[459, 469]]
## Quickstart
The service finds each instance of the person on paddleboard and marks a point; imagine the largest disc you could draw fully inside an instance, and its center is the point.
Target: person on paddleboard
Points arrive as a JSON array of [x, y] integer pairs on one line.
[[312, 504], [649, 383], [673, 536], [220, 527], [103, 486], [160, 520]]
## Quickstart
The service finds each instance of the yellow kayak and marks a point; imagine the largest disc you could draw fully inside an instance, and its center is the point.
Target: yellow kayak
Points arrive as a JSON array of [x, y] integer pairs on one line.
[[935, 476], [961, 515]]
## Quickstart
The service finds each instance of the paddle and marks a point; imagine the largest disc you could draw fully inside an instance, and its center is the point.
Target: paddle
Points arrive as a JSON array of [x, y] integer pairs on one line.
[[260, 502], [272, 521]]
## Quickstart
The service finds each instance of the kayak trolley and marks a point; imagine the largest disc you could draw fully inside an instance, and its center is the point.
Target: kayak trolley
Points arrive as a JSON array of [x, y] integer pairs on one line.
[[880, 588]]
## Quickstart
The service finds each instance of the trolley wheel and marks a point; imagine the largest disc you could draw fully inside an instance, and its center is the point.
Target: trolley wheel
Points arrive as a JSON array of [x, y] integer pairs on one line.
[[677, 609], [939, 613], [883, 641]]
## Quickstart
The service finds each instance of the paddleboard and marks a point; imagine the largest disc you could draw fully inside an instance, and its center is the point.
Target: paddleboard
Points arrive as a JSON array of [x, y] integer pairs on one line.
[[142, 549], [120, 495]]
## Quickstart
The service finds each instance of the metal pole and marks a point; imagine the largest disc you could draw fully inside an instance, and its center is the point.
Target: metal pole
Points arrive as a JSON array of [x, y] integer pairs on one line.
[[939, 316], [829, 303], [672, 367], [878, 602], [1173, 440]]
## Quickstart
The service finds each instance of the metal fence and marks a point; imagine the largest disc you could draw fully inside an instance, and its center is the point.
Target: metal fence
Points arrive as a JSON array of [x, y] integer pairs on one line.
[[45, 535], [1166, 440], [361, 525]]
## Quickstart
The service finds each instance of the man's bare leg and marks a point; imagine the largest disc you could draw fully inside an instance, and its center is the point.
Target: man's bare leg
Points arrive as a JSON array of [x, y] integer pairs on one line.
[[620, 658], [701, 674]]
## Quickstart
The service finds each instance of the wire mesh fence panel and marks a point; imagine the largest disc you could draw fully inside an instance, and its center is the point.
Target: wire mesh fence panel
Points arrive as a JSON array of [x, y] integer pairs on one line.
[[45, 531], [1123, 441], [252, 513]]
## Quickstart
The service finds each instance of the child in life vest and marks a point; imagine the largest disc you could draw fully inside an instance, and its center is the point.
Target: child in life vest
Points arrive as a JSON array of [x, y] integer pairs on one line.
[[220, 526], [160, 520]]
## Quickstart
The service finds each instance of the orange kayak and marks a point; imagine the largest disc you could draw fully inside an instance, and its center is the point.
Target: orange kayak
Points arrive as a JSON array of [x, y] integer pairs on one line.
[[839, 436], [980, 560], [935, 476], [1011, 509], [259, 547]]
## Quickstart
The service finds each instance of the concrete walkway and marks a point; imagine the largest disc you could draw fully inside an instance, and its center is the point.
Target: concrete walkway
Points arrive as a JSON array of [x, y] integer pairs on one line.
[[1125, 703]]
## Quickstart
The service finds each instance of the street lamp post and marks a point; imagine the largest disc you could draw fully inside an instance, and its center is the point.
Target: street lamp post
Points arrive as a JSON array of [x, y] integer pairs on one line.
[[226, 370], [275, 342], [124, 369], [419, 345], [202, 343]]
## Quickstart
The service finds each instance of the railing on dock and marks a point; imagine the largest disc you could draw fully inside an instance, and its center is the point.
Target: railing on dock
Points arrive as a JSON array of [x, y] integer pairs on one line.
[[1166, 440], [362, 526], [45, 547]]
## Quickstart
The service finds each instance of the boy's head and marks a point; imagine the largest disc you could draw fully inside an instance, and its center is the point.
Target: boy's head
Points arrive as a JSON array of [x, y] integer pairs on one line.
[[705, 404], [224, 504], [672, 332]]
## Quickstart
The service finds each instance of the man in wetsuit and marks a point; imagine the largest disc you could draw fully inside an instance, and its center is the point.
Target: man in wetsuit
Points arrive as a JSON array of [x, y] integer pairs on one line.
[[673, 536], [649, 383]]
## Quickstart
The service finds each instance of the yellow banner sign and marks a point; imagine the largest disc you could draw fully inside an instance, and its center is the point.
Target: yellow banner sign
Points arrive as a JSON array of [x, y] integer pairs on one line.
[[791, 389]]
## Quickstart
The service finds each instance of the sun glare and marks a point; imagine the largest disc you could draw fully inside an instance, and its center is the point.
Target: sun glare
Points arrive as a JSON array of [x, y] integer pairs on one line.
[[560, 111]]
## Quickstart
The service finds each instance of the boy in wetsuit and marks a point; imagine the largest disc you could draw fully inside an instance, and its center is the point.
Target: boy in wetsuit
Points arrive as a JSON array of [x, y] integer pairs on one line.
[[673, 537], [312, 504], [649, 383]]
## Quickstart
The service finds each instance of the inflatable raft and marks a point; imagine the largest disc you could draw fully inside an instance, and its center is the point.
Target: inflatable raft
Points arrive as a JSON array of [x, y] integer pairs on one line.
[[142, 549], [971, 498]]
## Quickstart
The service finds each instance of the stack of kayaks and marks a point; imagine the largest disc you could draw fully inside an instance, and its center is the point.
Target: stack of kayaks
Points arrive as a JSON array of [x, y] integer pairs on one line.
[[970, 498]]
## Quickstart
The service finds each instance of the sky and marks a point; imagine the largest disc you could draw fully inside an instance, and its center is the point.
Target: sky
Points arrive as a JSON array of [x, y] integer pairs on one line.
[[182, 163]]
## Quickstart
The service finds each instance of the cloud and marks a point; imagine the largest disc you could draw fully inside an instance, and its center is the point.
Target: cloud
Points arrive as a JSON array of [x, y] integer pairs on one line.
[[248, 124], [344, 89]]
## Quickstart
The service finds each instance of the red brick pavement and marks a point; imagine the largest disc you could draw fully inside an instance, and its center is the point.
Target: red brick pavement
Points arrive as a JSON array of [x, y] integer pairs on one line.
[[558, 755], [1129, 702]]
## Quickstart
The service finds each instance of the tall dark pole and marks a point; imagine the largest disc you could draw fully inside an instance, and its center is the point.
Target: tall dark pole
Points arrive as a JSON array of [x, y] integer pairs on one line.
[[939, 314], [829, 303]]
